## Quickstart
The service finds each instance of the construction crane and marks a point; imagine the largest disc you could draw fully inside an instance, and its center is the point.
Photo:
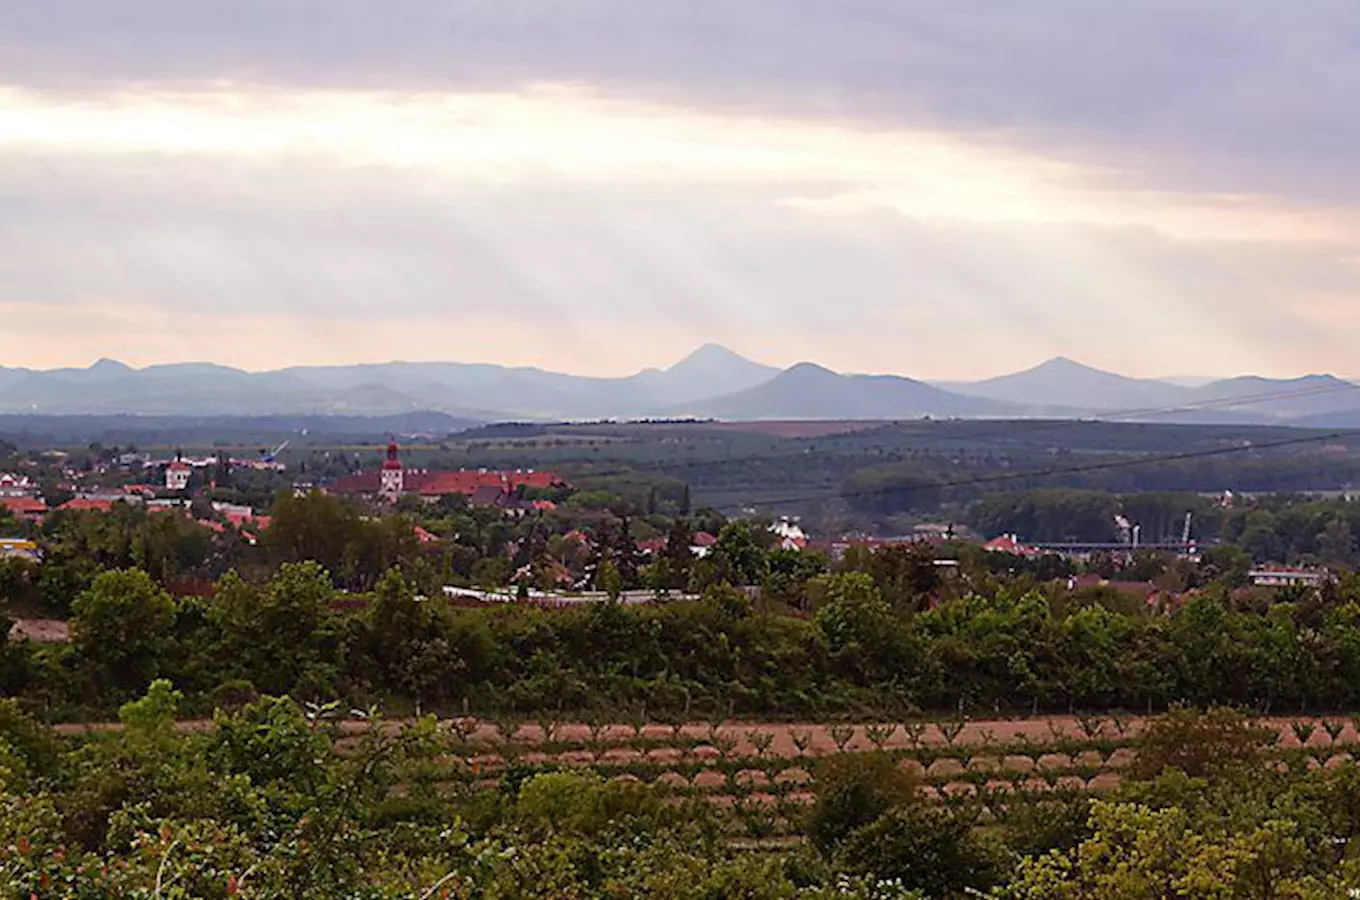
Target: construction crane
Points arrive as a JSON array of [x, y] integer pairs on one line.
[[271, 456]]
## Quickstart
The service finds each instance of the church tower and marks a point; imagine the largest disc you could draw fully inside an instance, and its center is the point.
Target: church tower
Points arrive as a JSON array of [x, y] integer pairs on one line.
[[390, 480]]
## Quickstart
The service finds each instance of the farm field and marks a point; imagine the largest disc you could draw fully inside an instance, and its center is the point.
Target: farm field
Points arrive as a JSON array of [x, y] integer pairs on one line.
[[763, 775]]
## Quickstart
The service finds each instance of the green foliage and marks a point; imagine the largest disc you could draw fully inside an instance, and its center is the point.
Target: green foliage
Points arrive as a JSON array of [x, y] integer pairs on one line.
[[122, 626], [27, 742], [1198, 743], [728, 602], [853, 790], [1138, 852], [923, 847], [326, 530], [854, 613], [152, 716], [739, 554], [581, 804]]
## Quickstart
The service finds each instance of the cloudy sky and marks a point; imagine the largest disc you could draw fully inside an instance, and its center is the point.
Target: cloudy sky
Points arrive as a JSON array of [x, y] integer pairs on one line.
[[934, 189]]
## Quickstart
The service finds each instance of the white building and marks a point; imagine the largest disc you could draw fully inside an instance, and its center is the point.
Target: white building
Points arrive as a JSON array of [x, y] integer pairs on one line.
[[16, 485], [790, 533], [1286, 577], [177, 475]]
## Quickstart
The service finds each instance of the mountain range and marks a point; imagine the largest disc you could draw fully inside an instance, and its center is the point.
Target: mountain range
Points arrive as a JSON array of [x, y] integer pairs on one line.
[[712, 382]]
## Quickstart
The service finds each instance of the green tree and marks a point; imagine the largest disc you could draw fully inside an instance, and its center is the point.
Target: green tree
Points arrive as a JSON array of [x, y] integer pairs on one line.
[[1137, 852], [738, 556], [123, 626], [854, 614], [1198, 743], [853, 790], [925, 847]]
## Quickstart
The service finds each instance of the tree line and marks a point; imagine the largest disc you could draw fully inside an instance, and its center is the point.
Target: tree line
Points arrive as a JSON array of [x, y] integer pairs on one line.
[[882, 635]]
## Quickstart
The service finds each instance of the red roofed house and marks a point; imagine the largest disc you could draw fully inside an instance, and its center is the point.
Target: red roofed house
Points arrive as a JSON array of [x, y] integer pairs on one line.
[[394, 481], [27, 508], [1008, 543], [653, 546], [702, 544]]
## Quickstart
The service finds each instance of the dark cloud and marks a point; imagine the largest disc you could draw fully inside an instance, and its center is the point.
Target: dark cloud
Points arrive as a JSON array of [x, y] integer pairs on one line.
[[1218, 95]]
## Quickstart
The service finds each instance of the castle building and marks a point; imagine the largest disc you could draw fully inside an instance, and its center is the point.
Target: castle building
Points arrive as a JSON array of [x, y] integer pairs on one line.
[[483, 487]]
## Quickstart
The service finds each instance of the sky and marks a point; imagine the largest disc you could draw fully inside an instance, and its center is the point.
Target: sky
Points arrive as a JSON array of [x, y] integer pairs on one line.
[[940, 190]]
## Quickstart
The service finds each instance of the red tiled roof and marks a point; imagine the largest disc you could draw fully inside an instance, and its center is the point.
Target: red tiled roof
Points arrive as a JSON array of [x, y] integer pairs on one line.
[[438, 484], [100, 504], [1008, 544], [489, 495], [425, 537], [24, 506], [240, 519], [704, 539]]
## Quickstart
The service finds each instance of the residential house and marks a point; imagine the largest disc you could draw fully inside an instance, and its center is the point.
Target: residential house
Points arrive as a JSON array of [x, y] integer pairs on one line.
[[12, 485], [1009, 543], [29, 509], [702, 544]]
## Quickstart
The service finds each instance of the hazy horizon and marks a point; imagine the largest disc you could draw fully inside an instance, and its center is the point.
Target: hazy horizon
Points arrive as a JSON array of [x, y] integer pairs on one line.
[[1185, 380], [944, 192]]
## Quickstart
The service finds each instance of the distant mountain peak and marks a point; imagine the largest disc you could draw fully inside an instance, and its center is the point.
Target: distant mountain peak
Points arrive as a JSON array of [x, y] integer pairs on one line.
[[1067, 384], [1066, 364], [109, 366], [712, 355]]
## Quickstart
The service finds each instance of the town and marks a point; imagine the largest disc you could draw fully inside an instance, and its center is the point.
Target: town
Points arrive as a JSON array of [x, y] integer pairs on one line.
[[883, 450], [548, 547]]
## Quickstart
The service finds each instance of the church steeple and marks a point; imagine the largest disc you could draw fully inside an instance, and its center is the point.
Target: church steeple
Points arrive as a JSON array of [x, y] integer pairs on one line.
[[391, 480]]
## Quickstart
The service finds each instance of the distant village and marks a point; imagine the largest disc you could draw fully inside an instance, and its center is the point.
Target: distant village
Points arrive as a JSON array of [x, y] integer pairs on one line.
[[177, 485]]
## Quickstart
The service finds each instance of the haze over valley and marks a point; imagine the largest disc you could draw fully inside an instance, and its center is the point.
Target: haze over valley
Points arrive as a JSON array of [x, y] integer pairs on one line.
[[712, 382]]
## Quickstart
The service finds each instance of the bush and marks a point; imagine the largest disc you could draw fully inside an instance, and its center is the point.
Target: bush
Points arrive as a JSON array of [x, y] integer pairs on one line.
[[924, 847], [1198, 743], [853, 790]]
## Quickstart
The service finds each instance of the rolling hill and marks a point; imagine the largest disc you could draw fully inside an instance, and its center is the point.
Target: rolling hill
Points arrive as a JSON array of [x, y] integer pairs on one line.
[[711, 382], [1064, 383], [809, 391]]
